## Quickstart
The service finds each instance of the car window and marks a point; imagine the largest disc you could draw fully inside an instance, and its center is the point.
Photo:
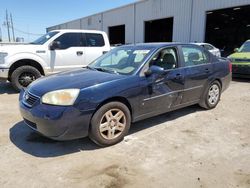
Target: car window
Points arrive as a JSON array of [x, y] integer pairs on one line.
[[166, 59], [122, 60], [68, 40], [208, 47], [245, 47], [94, 40], [194, 56], [45, 38]]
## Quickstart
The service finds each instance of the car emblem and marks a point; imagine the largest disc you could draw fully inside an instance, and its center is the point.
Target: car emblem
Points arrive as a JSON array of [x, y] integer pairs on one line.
[[26, 97]]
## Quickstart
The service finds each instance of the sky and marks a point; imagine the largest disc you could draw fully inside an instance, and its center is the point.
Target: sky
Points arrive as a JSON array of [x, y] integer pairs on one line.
[[32, 17]]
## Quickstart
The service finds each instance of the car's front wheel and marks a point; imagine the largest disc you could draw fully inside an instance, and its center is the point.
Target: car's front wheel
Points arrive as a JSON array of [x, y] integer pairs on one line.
[[110, 124]]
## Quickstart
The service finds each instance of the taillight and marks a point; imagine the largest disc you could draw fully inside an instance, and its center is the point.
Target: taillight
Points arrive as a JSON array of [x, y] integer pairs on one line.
[[230, 66]]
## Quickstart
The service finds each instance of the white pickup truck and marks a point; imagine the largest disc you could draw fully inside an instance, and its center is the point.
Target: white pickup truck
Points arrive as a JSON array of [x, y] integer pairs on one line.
[[56, 51]]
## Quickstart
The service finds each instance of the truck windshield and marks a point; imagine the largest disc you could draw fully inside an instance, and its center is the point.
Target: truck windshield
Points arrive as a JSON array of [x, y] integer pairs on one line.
[[44, 38], [245, 47]]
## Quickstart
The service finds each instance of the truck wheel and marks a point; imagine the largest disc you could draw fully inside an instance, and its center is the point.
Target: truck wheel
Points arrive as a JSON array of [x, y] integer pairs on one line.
[[23, 76], [212, 96], [110, 124]]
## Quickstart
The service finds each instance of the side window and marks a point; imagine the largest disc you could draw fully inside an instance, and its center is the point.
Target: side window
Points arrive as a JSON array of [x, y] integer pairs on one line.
[[166, 58], [208, 47], [194, 56], [94, 40], [68, 40]]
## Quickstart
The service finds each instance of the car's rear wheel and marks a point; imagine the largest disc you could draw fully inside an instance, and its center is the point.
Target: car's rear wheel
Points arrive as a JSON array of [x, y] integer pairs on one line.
[[110, 124], [23, 76], [212, 95]]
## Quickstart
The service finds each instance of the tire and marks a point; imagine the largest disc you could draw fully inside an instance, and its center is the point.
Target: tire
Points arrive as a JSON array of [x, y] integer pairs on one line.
[[212, 96], [110, 124], [23, 76]]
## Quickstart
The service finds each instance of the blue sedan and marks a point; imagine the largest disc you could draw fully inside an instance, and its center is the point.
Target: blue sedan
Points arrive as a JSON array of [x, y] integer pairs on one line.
[[128, 84]]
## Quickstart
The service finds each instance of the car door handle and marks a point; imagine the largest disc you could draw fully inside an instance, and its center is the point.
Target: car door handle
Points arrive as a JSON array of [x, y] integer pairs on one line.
[[178, 76], [207, 71], [79, 53]]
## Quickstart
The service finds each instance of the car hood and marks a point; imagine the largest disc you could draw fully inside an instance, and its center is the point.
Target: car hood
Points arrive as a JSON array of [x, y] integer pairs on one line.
[[240, 55], [79, 79]]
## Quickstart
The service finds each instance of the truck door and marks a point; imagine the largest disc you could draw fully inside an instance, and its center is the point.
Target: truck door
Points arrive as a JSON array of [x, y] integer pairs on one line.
[[95, 47], [70, 53]]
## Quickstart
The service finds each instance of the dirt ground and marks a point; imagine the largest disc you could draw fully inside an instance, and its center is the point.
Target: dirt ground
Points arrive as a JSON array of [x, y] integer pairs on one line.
[[190, 147]]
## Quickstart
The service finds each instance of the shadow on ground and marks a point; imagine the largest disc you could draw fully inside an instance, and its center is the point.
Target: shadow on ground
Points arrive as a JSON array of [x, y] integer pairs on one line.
[[34, 144], [6, 88]]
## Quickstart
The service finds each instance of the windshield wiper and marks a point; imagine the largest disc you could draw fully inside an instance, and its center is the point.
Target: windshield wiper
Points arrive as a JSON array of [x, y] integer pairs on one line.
[[102, 69], [91, 68]]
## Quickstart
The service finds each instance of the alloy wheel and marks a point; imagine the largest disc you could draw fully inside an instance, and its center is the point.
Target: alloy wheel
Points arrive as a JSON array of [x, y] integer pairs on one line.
[[112, 124]]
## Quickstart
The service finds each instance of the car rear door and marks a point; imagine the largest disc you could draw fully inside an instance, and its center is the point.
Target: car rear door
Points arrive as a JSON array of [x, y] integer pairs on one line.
[[163, 92], [198, 69]]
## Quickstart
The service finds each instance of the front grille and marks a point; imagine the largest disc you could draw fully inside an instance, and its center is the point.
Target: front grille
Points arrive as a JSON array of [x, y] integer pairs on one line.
[[30, 99], [242, 60], [30, 124]]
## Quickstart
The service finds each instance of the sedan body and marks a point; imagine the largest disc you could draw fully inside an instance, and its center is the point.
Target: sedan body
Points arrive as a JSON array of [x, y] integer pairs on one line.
[[128, 84]]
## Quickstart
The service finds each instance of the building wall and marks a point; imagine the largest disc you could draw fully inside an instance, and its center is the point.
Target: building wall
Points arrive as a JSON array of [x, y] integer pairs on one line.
[[121, 16], [189, 18], [157, 9], [200, 7]]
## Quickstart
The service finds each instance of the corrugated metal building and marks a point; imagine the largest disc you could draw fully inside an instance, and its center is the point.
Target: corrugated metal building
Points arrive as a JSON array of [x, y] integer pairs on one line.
[[171, 20]]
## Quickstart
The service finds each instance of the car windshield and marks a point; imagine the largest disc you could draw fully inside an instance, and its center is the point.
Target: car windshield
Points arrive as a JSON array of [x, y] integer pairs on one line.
[[44, 38], [122, 60], [245, 47]]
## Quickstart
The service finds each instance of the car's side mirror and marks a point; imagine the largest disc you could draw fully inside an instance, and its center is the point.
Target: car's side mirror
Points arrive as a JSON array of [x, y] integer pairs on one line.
[[236, 49], [55, 45], [155, 70]]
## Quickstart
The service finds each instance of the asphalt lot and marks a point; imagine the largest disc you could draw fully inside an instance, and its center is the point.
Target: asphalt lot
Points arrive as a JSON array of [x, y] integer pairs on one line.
[[190, 147]]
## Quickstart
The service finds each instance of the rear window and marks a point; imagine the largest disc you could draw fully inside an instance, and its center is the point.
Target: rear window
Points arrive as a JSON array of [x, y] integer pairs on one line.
[[95, 40]]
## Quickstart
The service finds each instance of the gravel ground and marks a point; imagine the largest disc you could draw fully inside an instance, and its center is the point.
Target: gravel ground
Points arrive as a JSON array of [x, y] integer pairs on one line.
[[190, 147]]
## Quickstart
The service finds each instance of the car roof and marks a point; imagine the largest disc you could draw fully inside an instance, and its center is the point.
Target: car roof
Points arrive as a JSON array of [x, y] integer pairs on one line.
[[157, 44], [77, 30], [201, 43]]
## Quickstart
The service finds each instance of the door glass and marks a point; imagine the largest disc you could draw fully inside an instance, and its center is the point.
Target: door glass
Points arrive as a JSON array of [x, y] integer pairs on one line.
[[94, 40], [68, 40], [194, 56], [166, 59], [208, 47]]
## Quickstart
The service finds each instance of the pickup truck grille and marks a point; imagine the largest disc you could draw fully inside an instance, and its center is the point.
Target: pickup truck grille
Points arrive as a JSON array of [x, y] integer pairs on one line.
[[29, 99]]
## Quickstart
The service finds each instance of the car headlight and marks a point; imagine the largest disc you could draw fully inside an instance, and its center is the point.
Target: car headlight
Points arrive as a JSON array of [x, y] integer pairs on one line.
[[2, 56], [65, 97]]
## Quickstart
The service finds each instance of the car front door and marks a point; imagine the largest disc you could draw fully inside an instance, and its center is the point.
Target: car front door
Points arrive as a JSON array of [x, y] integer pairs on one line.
[[161, 92], [70, 52], [198, 69]]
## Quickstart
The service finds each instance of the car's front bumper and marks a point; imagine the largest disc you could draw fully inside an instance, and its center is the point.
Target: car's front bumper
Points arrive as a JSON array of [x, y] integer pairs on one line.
[[56, 122], [241, 70], [4, 73]]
